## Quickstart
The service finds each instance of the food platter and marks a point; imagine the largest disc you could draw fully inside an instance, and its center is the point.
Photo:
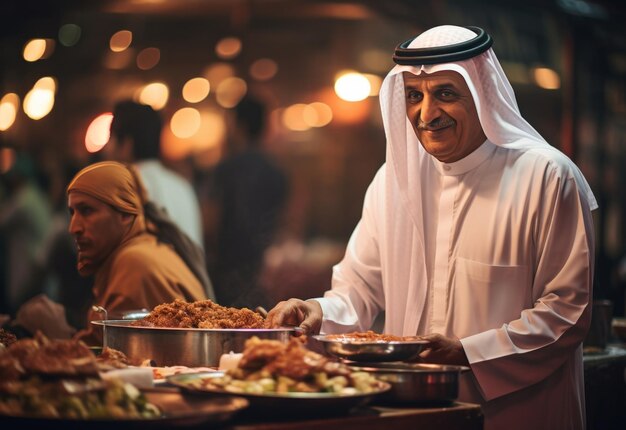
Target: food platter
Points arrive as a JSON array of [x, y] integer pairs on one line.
[[373, 350], [290, 404], [192, 347], [178, 410]]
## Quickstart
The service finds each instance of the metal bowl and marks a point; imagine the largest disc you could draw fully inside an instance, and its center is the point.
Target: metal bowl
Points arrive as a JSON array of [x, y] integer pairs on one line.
[[374, 351], [192, 347], [417, 383]]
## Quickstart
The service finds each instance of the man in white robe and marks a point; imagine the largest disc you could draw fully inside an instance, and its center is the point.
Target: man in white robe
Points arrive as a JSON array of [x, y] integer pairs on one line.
[[484, 244]]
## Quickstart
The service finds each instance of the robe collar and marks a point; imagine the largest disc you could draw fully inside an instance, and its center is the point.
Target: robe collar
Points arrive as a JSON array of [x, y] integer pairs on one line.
[[466, 164]]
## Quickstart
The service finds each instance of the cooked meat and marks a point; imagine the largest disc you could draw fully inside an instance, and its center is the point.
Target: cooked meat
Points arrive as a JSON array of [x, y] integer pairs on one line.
[[112, 358], [369, 336], [200, 314], [41, 355], [6, 338], [290, 359]]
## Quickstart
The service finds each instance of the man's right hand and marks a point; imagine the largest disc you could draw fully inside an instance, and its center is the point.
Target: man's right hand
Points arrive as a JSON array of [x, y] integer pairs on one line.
[[295, 312]]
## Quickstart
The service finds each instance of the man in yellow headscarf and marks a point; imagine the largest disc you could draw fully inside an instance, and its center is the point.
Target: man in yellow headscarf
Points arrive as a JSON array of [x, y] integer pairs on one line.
[[119, 236]]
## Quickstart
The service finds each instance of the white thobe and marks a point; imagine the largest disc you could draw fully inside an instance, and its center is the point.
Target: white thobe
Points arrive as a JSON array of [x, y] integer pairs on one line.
[[175, 194], [507, 268]]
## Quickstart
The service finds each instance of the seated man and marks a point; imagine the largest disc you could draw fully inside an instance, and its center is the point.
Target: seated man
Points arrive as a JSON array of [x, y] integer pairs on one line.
[[119, 236]]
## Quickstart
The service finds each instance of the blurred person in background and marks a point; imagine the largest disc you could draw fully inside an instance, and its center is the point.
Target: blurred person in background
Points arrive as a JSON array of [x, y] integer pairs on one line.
[[136, 138], [138, 257], [475, 234], [25, 216], [56, 257], [248, 192]]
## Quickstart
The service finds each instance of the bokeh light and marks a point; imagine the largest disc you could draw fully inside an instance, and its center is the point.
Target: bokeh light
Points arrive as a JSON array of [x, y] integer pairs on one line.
[[34, 50], [39, 101], [155, 94], [46, 83], [148, 58], [185, 122], [196, 89], [69, 34], [204, 145], [293, 117], [217, 72], [228, 48], [9, 104], [317, 114], [547, 78], [230, 91], [352, 87], [375, 83], [7, 159], [98, 132], [263, 69], [121, 40]]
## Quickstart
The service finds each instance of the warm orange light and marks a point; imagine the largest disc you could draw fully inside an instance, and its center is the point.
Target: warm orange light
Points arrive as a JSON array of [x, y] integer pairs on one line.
[[345, 112], [217, 72], [230, 91], [547, 78], [204, 145], [98, 132], [155, 94], [148, 58], [7, 159], [228, 48], [352, 87], [38, 103], [317, 114], [263, 69], [185, 122], [9, 105], [293, 117], [120, 40], [195, 90], [34, 50]]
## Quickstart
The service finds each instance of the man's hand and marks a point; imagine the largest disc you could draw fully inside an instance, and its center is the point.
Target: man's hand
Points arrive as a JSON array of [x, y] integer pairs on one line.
[[443, 350], [294, 312]]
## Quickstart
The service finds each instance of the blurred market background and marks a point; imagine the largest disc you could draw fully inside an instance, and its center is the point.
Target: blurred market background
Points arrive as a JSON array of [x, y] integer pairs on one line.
[[318, 66]]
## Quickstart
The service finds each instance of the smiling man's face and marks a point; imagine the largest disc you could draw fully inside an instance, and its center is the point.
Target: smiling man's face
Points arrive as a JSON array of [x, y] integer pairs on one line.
[[442, 112]]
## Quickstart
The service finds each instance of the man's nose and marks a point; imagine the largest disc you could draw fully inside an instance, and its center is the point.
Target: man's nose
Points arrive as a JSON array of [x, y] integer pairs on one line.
[[75, 226], [429, 110]]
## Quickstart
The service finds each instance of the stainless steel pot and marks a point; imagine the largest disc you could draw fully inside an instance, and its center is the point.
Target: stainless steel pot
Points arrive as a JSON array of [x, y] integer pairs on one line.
[[413, 383], [193, 347]]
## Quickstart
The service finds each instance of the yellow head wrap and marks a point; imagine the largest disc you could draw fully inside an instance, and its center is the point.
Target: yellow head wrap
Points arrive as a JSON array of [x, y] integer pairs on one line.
[[115, 184]]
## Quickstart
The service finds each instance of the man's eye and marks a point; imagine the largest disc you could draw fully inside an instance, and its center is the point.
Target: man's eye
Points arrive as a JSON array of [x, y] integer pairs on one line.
[[413, 96], [446, 94]]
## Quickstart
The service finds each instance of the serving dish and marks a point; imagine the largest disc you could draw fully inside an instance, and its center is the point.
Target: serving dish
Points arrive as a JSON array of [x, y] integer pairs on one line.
[[290, 404], [178, 411], [192, 347], [416, 383], [371, 351]]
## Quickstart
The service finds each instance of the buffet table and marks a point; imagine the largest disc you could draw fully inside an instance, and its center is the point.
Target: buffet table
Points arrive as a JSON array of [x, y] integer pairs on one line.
[[465, 416]]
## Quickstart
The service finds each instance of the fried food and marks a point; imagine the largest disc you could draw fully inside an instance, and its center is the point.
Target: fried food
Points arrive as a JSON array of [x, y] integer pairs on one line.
[[6, 338], [40, 377], [368, 337], [271, 366], [200, 314]]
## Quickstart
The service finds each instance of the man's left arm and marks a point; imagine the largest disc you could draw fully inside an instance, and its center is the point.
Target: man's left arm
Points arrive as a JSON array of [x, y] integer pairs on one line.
[[529, 349]]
